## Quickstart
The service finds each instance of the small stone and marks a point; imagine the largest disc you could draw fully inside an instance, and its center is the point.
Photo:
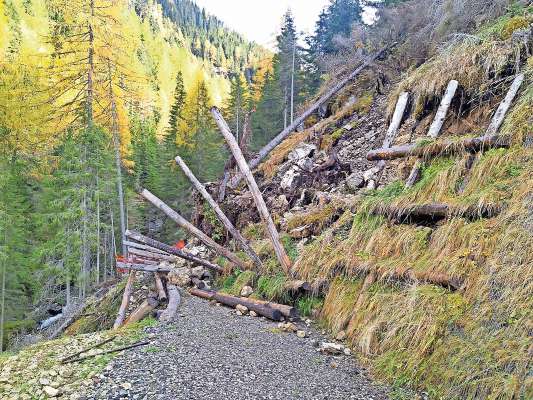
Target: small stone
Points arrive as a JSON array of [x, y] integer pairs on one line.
[[126, 386], [347, 351], [242, 309], [288, 327], [52, 372], [239, 313], [341, 336], [253, 313], [44, 381], [308, 322], [334, 364], [50, 391], [246, 291], [301, 334]]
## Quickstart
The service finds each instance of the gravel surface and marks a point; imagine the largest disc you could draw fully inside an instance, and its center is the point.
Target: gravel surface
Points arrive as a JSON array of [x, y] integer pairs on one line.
[[211, 353]]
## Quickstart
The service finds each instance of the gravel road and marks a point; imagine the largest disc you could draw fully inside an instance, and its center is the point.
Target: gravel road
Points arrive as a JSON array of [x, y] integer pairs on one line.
[[211, 353]]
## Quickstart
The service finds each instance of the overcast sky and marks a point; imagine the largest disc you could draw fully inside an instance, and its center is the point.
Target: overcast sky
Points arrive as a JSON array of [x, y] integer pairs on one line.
[[260, 20]]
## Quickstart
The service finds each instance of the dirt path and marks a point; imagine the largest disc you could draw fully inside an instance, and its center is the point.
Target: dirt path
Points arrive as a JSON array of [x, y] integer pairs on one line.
[[211, 353]]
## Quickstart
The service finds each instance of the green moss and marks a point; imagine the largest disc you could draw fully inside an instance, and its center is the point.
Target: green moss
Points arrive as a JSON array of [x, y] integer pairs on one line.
[[234, 283], [337, 134], [254, 231]]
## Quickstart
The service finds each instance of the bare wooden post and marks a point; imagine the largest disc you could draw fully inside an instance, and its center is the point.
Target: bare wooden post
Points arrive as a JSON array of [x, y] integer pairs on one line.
[[435, 128], [172, 250], [315, 106], [125, 301], [218, 211], [254, 189], [150, 255], [390, 136], [499, 116], [180, 221]]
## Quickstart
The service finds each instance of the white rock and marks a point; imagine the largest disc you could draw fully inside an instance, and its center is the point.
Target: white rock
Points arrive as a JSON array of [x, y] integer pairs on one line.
[[253, 313], [239, 313], [301, 334], [246, 291], [331, 348], [44, 381], [50, 391], [126, 386], [347, 351], [341, 335]]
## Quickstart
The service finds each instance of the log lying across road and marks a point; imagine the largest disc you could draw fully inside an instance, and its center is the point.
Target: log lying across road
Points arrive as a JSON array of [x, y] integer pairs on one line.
[[261, 309], [151, 255], [438, 148], [171, 250], [435, 212]]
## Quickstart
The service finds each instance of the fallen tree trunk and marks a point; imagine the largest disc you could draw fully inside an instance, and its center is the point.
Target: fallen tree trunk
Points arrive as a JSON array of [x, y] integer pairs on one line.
[[285, 310], [125, 300], [142, 267], [281, 255], [143, 310], [220, 214], [174, 300], [261, 309], [435, 211], [499, 116], [182, 222], [446, 147], [161, 294], [172, 250], [307, 113]]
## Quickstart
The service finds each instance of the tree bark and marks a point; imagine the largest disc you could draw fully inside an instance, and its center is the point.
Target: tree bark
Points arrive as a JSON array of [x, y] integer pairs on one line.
[[220, 214], [435, 149], [261, 309], [198, 282], [312, 109], [254, 189], [397, 118], [442, 111], [161, 294], [285, 310], [182, 222], [499, 116], [128, 289], [173, 303], [172, 250], [297, 286], [143, 310]]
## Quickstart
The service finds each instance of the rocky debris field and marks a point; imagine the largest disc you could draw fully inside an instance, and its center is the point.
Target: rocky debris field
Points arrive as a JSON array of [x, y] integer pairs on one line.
[[210, 352]]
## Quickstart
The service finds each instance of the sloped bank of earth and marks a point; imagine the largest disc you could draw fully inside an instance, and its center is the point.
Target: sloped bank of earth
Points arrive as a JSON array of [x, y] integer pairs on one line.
[[211, 353]]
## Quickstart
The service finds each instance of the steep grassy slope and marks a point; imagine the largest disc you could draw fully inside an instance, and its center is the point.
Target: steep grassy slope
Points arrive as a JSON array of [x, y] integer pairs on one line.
[[471, 340]]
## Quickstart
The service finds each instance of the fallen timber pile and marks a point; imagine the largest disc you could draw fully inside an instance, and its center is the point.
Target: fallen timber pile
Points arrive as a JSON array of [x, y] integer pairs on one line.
[[435, 212], [440, 148], [263, 309]]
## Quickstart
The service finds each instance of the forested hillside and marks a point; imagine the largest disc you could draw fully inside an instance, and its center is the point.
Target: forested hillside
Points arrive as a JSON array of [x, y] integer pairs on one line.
[[86, 87]]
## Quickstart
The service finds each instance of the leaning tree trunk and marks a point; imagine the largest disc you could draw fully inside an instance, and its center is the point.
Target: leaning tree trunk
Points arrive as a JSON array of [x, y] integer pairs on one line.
[[125, 301]]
